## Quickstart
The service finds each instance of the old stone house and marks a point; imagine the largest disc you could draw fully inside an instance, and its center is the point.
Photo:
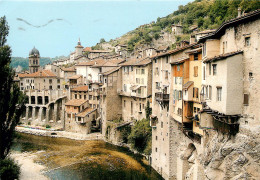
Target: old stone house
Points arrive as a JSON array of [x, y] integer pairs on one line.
[[135, 88]]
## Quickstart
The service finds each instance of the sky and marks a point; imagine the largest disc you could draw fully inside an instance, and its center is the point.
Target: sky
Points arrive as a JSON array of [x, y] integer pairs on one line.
[[54, 27]]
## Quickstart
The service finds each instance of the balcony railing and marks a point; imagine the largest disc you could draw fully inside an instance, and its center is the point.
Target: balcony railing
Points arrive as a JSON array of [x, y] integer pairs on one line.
[[159, 96]]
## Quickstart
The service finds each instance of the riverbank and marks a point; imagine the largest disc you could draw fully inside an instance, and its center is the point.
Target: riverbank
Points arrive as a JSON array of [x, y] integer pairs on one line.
[[29, 169], [60, 134], [63, 158]]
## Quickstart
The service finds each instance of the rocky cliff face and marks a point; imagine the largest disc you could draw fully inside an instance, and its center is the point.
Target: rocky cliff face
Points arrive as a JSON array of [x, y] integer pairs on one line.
[[231, 157]]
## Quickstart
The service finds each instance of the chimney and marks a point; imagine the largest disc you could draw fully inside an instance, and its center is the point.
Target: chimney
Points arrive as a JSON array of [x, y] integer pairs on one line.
[[239, 12]]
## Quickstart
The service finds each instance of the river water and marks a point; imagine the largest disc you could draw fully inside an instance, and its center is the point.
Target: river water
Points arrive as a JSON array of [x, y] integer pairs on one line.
[[67, 159]]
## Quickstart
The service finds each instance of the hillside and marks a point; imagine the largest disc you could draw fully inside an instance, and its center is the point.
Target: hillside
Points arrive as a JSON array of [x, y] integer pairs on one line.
[[206, 14], [24, 62]]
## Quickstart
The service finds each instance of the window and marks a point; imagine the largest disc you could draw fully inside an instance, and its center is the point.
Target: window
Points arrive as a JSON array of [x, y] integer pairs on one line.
[[196, 57], [155, 61], [209, 68], [85, 97], [137, 71], [166, 74], [195, 92], [178, 68], [156, 138], [79, 96], [179, 111], [195, 71], [180, 95], [58, 81], [250, 75], [161, 124], [90, 97], [157, 85], [137, 80], [195, 110], [143, 71], [140, 107], [246, 99], [50, 81], [58, 87], [175, 79], [219, 93], [157, 71], [204, 49], [125, 89], [124, 103], [50, 87], [204, 73], [132, 68], [214, 69], [247, 41], [167, 61], [180, 80], [210, 92], [142, 80]]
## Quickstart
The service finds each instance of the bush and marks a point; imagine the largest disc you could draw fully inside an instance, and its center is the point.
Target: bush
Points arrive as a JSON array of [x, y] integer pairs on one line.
[[9, 169], [48, 126], [140, 136]]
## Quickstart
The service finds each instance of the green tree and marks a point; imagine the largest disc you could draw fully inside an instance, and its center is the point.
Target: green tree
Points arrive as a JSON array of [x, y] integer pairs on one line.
[[11, 98], [102, 40], [140, 136]]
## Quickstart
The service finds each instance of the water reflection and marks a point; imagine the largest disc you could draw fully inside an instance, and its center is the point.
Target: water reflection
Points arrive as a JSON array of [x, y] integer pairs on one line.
[[70, 159]]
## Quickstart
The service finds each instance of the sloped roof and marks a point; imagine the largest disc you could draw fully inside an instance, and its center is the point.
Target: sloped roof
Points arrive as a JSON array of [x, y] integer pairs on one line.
[[87, 49], [80, 88], [137, 62], [187, 84], [86, 112], [179, 61], [38, 74], [75, 102], [175, 50], [69, 69], [77, 76], [111, 71], [222, 56], [91, 63]]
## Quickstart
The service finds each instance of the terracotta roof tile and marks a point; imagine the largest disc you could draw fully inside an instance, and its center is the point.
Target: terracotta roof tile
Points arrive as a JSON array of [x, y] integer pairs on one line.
[[85, 112], [75, 102], [222, 56], [111, 71], [69, 69], [39, 74], [77, 76], [80, 88]]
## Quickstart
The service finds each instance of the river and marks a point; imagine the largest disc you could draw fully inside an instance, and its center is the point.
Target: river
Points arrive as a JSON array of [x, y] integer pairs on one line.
[[66, 159]]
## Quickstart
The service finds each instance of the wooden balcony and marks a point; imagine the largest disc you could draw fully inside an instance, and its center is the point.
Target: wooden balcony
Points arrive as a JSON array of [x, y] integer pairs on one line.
[[159, 96]]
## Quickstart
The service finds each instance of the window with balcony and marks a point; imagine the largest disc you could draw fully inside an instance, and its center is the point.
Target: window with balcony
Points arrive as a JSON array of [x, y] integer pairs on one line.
[[214, 69], [219, 93]]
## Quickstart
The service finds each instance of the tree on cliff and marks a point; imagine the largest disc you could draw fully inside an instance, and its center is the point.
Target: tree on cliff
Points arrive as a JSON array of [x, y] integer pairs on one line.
[[11, 99]]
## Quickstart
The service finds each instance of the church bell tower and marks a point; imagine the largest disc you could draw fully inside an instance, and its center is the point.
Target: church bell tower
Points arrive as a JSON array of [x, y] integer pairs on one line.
[[34, 60]]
